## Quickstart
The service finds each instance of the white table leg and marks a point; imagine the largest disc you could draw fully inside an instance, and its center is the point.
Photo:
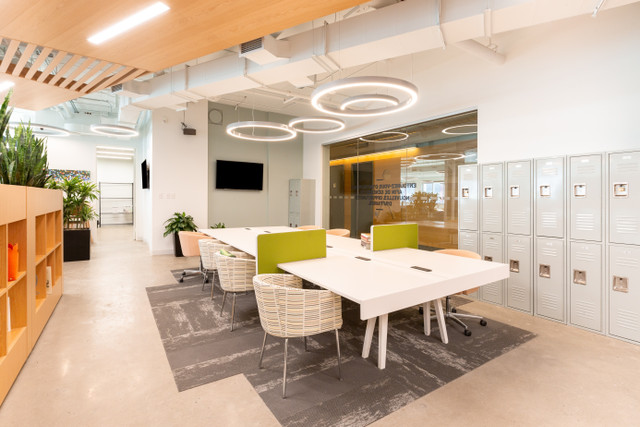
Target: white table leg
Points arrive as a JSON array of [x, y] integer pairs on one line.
[[426, 316], [382, 340], [441, 323], [368, 336]]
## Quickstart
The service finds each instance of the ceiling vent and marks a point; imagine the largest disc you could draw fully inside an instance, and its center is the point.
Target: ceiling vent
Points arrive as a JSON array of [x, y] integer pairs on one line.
[[116, 88], [132, 89], [265, 50]]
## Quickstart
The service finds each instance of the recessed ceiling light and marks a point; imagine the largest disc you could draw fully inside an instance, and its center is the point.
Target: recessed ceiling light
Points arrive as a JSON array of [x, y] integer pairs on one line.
[[461, 129], [387, 137], [42, 130], [114, 130], [5, 85], [233, 129], [128, 23]]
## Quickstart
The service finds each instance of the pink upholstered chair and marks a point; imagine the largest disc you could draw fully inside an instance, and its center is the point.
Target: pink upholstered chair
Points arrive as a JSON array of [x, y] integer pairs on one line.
[[308, 227], [342, 232], [190, 248]]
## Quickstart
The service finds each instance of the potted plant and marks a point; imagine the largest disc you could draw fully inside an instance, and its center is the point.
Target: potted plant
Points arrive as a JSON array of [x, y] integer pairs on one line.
[[178, 222], [218, 225], [77, 213]]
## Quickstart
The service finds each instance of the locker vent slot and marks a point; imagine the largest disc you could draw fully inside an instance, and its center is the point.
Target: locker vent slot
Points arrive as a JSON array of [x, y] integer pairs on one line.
[[585, 222], [492, 218], [586, 170], [490, 290], [621, 284], [514, 266], [545, 191], [520, 173], [620, 189], [550, 302], [491, 244], [585, 256], [552, 252], [627, 262], [514, 191], [549, 219], [465, 193], [585, 309], [580, 190], [626, 167], [627, 319], [545, 271], [579, 277], [518, 294], [468, 217], [626, 224], [519, 218], [518, 247], [550, 171]]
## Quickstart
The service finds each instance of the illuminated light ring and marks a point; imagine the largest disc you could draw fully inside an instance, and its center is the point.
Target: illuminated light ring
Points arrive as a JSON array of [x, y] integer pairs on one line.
[[392, 100], [301, 120], [448, 130], [232, 129], [353, 82], [43, 130], [401, 136], [439, 157], [114, 130]]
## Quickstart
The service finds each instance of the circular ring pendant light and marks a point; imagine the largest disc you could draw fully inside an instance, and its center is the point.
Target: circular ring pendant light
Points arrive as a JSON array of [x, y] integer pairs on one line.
[[233, 129], [438, 157], [387, 137], [358, 99], [114, 130], [42, 130], [379, 83], [461, 129], [297, 124]]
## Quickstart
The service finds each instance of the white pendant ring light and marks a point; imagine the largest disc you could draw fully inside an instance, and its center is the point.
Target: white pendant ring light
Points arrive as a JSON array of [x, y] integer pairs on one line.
[[338, 124], [384, 83], [439, 157], [357, 99], [461, 129], [394, 137], [233, 130], [43, 130], [114, 130]]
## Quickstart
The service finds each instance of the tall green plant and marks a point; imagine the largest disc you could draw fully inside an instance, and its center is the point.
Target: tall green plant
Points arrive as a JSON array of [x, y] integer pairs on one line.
[[5, 114], [23, 158], [76, 206]]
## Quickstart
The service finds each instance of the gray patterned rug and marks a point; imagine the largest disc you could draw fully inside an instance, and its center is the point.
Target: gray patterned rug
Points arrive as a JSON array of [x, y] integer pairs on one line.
[[201, 349]]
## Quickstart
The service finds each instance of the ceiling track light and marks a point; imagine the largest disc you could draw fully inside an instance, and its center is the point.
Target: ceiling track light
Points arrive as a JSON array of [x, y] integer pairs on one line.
[[298, 123], [42, 130], [461, 129], [114, 130], [377, 83], [391, 136], [233, 129]]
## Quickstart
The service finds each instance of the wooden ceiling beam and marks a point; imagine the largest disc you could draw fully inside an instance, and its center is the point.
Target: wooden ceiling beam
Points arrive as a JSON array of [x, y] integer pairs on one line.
[[110, 80], [8, 55], [99, 79], [38, 62], [53, 64], [68, 81], [26, 55], [65, 68], [97, 69]]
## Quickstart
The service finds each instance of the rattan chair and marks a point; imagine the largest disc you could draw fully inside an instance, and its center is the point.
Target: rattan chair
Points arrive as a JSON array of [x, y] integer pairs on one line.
[[342, 232], [235, 276], [288, 311], [207, 260]]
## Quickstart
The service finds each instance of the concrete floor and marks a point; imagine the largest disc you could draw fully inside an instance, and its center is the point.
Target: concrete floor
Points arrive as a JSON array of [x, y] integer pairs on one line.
[[100, 361]]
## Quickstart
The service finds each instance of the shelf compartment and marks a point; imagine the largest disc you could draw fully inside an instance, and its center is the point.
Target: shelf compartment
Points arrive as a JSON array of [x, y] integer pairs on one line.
[[51, 231], [57, 272], [3, 257], [58, 227], [41, 238], [17, 233], [3, 324], [21, 275], [18, 306], [41, 279], [50, 275]]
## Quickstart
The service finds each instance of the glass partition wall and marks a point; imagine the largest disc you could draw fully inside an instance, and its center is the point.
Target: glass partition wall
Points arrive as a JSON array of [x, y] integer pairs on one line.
[[409, 174]]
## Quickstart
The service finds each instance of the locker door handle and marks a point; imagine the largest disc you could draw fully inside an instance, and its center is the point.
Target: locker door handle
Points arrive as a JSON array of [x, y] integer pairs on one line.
[[580, 190], [488, 192], [514, 191], [545, 271], [514, 266], [621, 189], [545, 191], [465, 192], [579, 277], [621, 284]]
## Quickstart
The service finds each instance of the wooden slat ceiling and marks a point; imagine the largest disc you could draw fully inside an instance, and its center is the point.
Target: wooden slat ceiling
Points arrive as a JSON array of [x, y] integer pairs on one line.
[[189, 30]]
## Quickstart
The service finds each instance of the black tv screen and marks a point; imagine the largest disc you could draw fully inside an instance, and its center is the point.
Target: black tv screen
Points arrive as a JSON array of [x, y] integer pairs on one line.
[[238, 175], [145, 174]]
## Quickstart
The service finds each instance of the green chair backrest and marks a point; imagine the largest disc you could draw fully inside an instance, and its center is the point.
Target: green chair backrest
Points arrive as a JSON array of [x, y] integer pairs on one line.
[[275, 248], [394, 236]]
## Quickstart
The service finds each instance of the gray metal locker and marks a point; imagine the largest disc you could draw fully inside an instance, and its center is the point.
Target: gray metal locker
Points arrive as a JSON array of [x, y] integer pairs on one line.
[[549, 276], [585, 197], [492, 198], [550, 197], [519, 283], [624, 198], [468, 197], [585, 285], [519, 197], [468, 240], [492, 250], [624, 292]]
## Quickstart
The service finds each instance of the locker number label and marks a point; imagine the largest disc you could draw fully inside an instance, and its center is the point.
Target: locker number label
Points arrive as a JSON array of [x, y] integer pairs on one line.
[[580, 190], [621, 284], [621, 189], [514, 191], [545, 191]]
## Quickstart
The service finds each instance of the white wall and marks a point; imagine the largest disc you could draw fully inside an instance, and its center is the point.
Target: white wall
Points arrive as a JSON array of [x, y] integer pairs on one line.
[[179, 178], [115, 170], [143, 196], [567, 87], [282, 161]]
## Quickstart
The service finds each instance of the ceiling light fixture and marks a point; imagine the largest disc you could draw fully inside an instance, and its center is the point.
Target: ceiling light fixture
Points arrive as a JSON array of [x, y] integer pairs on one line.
[[435, 157], [393, 136], [233, 130], [114, 130], [387, 99], [104, 147], [362, 82], [113, 156], [42, 130], [129, 22], [5, 85], [338, 124], [461, 129]]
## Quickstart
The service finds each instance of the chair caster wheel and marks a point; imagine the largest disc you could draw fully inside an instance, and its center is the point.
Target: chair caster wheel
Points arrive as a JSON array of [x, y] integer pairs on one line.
[[181, 280], [206, 281], [467, 333], [420, 310], [453, 310], [483, 322]]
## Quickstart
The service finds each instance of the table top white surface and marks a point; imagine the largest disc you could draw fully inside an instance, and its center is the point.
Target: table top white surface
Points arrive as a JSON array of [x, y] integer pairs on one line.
[[244, 238]]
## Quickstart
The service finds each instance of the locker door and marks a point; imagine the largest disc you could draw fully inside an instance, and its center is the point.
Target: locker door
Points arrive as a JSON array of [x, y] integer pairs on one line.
[[468, 197], [624, 198], [492, 196], [519, 259], [585, 285], [550, 197], [585, 197], [492, 250], [519, 197], [624, 292], [468, 240], [549, 273]]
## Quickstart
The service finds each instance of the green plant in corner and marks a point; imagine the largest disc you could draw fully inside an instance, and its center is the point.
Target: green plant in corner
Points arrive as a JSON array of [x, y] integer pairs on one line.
[[218, 225], [76, 206], [179, 222], [5, 114]]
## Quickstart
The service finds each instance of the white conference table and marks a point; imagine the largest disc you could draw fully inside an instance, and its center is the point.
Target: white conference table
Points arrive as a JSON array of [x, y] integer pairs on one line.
[[380, 282]]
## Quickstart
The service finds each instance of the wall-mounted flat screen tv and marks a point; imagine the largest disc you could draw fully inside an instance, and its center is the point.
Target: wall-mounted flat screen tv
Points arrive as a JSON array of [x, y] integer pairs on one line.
[[144, 173], [238, 175]]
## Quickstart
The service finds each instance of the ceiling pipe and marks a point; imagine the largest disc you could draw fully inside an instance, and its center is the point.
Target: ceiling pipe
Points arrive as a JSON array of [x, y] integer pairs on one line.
[[480, 50]]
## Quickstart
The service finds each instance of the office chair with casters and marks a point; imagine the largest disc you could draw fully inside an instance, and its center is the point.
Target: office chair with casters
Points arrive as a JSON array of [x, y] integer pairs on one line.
[[190, 248], [235, 275], [308, 227], [450, 312], [342, 232], [288, 311]]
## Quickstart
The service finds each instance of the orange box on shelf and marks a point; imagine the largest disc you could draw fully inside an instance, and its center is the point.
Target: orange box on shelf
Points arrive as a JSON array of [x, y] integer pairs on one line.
[[13, 261]]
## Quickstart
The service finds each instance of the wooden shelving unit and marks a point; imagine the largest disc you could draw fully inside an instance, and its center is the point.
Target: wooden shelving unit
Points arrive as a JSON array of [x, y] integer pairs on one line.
[[32, 218]]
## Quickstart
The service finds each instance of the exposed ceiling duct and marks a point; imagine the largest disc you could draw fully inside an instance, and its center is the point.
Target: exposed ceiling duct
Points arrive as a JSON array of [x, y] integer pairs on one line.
[[265, 50]]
